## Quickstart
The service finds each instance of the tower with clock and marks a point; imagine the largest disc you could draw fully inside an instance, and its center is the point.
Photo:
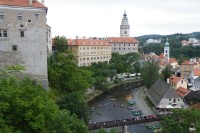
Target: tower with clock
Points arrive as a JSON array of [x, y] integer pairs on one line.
[[166, 51], [124, 27]]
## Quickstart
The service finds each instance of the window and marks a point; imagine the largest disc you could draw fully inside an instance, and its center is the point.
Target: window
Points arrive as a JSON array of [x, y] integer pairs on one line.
[[14, 47], [21, 33], [36, 16], [1, 15], [21, 25], [29, 20], [5, 34], [19, 16]]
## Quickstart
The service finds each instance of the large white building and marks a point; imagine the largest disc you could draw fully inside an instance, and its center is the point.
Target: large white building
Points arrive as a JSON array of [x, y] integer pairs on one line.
[[24, 37], [90, 50]]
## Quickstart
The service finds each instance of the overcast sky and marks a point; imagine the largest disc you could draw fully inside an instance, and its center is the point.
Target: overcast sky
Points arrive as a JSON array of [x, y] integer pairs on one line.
[[102, 18]]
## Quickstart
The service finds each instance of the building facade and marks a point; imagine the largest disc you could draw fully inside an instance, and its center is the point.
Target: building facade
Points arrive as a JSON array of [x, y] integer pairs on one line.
[[23, 37], [187, 67], [88, 51], [124, 27], [177, 82], [123, 45]]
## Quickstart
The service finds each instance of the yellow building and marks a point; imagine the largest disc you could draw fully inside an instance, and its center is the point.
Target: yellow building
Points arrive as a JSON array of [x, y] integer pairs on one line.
[[88, 51], [177, 82], [187, 67]]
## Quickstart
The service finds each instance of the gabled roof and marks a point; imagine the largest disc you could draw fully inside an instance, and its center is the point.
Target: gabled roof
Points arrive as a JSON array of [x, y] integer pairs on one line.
[[123, 39], [174, 79], [22, 3], [196, 72], [182, 92], [159, 90]]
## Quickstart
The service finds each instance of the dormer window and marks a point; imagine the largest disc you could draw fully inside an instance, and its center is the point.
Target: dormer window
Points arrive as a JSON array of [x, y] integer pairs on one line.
[[1, 15], [19, 16]]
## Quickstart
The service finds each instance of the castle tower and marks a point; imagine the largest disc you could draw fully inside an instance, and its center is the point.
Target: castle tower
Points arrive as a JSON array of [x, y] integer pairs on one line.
[[124, 27], [166, 51]]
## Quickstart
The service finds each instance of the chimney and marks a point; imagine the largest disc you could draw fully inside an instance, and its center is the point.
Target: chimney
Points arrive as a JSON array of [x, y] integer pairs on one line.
[[30, 2], [42, 1]]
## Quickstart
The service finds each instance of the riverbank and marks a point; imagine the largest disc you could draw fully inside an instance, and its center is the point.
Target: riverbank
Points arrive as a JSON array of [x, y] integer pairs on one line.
[[96, 93]]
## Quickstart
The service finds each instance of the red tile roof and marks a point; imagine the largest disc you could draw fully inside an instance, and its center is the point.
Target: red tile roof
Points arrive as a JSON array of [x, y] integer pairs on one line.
[[196, 72], [161, 56], [172, 60], [22, 3], [187, 62], [122, 39], [88, 42], [182, 92], [174, 79]]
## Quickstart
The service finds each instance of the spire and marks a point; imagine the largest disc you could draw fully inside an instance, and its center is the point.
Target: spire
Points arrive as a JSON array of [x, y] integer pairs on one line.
[[167, 43], [125, 13]]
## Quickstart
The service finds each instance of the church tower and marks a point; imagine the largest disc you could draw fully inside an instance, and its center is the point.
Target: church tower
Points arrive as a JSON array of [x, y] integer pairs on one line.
[[124, 27], [166, 51]]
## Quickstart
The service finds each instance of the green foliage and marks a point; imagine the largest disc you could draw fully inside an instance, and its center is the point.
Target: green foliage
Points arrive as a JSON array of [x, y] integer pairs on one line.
[[76, 104], [181, 120], [150, 73], [65, 76], [26, 107], [166, 73], [68, 82], [61, 44]]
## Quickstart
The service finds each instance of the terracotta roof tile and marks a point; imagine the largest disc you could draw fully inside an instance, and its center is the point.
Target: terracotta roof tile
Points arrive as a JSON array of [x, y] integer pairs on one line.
[[172, 60], [174, 79], [182, 92], [187, 62], [161, 56], [196, 72], [88, 42], [22, 3], [122, 39]]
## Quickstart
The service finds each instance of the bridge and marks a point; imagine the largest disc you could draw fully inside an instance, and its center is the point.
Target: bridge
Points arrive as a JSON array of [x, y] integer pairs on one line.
[[124, 122]]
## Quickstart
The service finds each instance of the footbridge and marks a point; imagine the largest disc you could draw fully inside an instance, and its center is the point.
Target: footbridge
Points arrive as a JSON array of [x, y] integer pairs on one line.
[[124, 122]]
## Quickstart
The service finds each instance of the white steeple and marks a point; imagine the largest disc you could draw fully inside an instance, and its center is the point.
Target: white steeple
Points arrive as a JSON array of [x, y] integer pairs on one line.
[[166, 51], [124, 27]]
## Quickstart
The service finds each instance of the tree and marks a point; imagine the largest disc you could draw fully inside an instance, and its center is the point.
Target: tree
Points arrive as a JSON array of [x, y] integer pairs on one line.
[[27, 107], [150, 73], [166, 73], [75, 103], [61, 44], [65, 76], [181, 120]]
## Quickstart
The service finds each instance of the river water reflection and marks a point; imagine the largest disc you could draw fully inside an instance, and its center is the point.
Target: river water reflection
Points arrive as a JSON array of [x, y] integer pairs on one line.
[[105, 109]]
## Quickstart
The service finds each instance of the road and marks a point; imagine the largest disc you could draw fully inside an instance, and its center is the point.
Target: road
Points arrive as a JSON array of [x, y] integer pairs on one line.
[[139, 96]]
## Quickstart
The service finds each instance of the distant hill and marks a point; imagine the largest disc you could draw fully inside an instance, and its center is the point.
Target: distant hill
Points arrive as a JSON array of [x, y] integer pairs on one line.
[[152, 36], [156, 36]]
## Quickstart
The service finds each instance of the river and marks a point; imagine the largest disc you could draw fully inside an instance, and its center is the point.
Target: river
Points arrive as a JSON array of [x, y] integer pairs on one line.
[[106, 110]]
